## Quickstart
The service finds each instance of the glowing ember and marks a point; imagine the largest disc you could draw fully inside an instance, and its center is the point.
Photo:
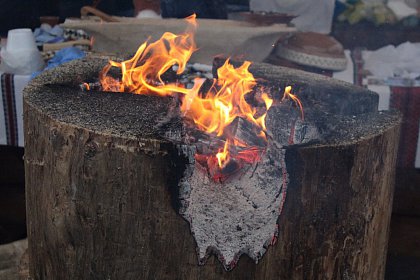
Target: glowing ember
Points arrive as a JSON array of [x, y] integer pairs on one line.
[[86, 85], [213, 111]]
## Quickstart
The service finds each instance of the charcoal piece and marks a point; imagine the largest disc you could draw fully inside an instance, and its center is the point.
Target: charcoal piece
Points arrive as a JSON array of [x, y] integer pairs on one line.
[[246, 132], [95, 86], [204, 143]]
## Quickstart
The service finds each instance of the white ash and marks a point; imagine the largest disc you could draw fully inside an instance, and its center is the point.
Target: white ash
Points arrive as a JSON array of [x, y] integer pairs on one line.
[[238, 216]]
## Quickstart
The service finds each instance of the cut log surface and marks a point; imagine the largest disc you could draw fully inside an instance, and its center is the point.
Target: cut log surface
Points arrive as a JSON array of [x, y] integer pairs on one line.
[[103, 196]]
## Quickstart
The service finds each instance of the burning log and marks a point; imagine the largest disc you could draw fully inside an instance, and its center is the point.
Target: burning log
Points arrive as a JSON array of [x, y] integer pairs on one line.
[[110, 195]]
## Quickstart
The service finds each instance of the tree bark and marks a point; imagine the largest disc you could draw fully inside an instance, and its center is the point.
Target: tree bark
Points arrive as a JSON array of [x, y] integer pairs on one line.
[[102, 194]]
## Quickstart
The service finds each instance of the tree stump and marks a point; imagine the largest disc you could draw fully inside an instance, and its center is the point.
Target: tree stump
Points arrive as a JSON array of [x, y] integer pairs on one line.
[[102, 185]]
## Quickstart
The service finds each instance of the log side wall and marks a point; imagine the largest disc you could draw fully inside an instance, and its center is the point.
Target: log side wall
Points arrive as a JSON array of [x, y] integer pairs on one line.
[[99, 207]]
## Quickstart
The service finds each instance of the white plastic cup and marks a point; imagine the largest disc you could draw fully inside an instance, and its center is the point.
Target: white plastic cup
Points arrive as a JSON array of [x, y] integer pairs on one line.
[[20, 39], [21, 56]]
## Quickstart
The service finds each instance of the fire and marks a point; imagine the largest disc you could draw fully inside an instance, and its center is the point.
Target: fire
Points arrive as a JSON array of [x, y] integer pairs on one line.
[[225, 101], [223, 155], [143, 72], [214, 111], [288, 94]]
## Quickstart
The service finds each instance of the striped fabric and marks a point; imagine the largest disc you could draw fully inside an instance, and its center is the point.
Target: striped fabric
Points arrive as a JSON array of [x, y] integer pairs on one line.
[[11, 111]]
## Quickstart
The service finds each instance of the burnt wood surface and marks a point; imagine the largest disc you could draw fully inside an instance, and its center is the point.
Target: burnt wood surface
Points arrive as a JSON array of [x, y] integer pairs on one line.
[[101, 188]]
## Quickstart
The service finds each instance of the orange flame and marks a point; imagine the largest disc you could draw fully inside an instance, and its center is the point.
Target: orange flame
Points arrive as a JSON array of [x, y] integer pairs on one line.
[[143, 72], [213, 111], [225, 101], [288, 94], [223, 155]]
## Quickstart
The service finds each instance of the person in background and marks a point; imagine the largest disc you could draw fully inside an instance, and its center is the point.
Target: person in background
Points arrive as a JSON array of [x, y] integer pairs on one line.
[[314, 15], [18, 14], [146, 8], [26, 13], [71, 8], [181, 8]]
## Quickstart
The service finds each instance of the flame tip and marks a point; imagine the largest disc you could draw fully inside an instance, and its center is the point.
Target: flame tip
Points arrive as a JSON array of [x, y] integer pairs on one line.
[[288, 94]]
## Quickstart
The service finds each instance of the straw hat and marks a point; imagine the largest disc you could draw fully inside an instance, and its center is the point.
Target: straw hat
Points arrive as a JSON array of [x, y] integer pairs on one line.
[[314, 50]]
